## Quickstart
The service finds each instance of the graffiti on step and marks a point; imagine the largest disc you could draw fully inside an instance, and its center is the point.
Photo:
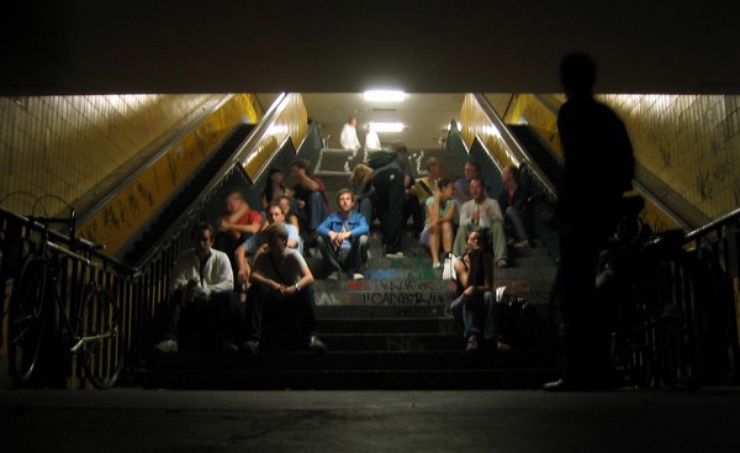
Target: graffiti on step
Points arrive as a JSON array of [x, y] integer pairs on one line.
[[324, 298], [407, 285], [408, 298]]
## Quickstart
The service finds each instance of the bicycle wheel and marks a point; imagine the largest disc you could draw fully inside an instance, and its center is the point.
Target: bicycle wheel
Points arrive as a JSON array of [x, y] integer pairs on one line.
[[26, 321], [99, 330]]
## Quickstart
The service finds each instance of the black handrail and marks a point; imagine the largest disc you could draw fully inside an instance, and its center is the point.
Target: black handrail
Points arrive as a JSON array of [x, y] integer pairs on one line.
[[732, 216]]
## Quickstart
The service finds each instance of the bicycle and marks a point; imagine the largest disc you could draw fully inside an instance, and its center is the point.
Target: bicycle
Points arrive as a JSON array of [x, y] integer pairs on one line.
[[660, 322], [93, 333]]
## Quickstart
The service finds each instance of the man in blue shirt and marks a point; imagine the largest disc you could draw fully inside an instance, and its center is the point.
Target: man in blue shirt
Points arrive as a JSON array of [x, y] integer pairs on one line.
[[343, 239]]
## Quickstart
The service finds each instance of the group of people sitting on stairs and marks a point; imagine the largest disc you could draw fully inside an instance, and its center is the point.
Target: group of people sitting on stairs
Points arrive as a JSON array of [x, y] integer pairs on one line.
[[252, 271]]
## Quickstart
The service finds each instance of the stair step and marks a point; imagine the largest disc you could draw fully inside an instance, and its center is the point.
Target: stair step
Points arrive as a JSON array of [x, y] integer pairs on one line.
[[440, 325], [419, 379], [384, 285], [350, 360], [324, 312], [370, 297], [415, 342]]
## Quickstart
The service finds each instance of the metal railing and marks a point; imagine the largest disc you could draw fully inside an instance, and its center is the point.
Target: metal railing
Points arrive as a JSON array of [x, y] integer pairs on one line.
[[715, 246], [138, 289], [21, 235]]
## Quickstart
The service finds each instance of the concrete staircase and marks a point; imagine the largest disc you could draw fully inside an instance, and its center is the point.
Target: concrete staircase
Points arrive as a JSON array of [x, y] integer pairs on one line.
[[392, 330]]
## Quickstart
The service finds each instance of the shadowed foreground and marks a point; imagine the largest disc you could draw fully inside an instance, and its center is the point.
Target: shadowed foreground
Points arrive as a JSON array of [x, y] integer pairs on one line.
[[130, 420]]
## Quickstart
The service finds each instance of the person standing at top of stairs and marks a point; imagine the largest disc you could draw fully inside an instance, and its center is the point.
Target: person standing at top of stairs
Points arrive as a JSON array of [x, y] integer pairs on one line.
[[348, 139]]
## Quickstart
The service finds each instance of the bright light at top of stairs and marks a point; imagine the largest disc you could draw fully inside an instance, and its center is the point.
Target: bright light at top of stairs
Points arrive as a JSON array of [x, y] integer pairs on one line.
[[387, 126], [384, 95]]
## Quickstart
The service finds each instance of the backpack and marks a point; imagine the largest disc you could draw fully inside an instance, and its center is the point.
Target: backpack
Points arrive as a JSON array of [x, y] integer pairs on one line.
[[379, 159]]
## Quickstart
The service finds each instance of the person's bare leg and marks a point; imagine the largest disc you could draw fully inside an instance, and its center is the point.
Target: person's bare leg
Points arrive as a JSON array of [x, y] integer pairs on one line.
[[447, 237], [434, 245]]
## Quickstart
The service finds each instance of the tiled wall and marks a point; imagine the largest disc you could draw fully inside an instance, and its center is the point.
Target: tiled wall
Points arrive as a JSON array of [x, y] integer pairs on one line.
[[115, 223], [690, 142], [66, 145]]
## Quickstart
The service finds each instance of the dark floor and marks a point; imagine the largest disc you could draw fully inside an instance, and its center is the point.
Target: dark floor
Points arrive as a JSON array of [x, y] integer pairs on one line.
[[132, 420]]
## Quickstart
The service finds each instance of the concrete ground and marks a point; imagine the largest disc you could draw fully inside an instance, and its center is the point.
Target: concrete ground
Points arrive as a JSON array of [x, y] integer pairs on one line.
[[133, 420]]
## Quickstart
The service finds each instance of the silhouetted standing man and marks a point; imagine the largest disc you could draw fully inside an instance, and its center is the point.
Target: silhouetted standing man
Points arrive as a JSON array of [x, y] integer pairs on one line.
[[599, 166]]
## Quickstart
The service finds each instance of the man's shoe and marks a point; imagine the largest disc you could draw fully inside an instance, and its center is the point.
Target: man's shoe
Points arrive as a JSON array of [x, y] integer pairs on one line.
[[563, 385], [524, 244], [230, 346], [502, 263], [334, 275], [167, 346], [316, 345], [358, 276], [251, 346], [394, 255], [472, 344]]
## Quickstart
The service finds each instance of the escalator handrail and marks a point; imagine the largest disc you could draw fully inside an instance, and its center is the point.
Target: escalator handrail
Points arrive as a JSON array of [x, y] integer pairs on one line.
[[151, 160], [250, 144], [247, 146], [514, 146]]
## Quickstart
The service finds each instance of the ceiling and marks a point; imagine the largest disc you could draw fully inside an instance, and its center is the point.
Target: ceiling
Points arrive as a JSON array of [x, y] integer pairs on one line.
[[315, 46], [429, 48]]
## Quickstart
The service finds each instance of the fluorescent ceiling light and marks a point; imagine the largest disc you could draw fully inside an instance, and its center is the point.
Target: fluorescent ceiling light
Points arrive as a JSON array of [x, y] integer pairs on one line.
[[384, 95], [387, 126]]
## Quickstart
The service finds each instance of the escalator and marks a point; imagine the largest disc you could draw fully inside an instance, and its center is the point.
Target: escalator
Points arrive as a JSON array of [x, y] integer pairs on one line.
[[170, 213], [539, 152]]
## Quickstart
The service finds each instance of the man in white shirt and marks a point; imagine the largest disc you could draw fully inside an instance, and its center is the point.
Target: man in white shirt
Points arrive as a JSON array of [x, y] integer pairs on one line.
[[202, 306], [372, 141], [482, 212], [348, 139]]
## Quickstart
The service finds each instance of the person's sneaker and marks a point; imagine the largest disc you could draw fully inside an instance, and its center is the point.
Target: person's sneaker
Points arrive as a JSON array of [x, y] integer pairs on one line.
[[316, 345], [358, 276], [436, 265], [230, 346], [502, 263], [472, 344], [167, 346], [523, 244], [394, 255], [334, 276], [251, 346], [503, 347]]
